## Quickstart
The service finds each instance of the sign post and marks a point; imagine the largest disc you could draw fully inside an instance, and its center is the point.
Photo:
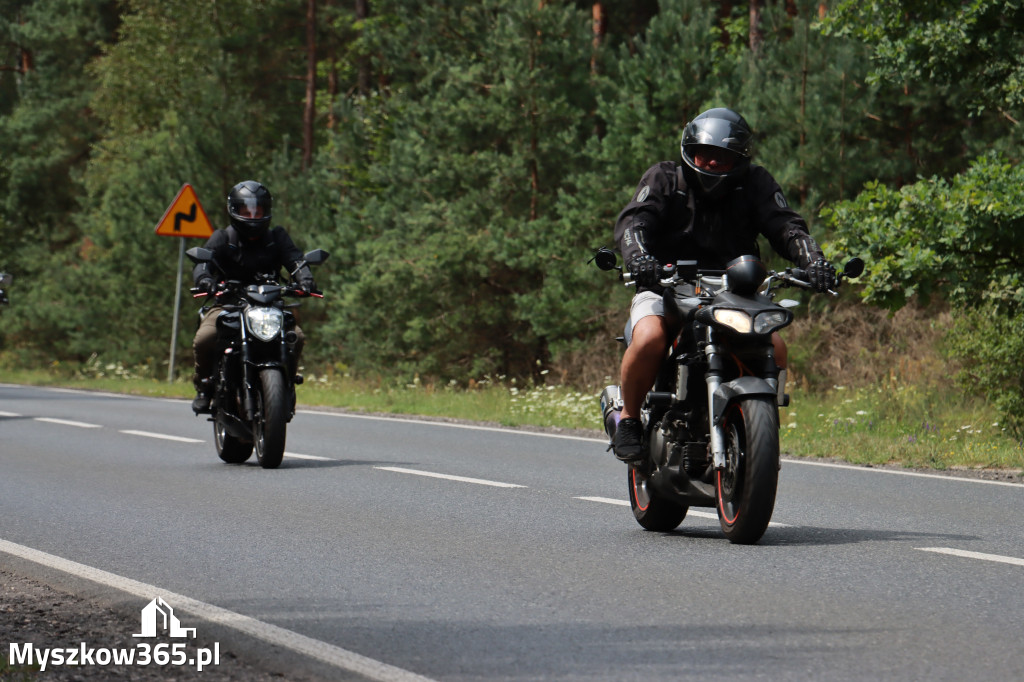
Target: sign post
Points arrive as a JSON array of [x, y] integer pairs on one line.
[[185, 217]]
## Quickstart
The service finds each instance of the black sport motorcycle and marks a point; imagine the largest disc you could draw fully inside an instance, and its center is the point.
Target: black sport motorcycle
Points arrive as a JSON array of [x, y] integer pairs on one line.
[[711, 421], [253, 391]]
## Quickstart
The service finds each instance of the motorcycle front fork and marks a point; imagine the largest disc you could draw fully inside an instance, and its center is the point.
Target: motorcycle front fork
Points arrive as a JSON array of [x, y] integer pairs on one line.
[[714, 380]]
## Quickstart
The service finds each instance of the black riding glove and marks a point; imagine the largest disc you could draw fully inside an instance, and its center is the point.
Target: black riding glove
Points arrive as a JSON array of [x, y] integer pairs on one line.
[[822, 275], [308, 286], [644, 269]]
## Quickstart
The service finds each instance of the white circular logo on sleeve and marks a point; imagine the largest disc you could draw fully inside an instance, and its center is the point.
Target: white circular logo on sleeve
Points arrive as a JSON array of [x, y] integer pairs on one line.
[[780, 200], [642, 196]]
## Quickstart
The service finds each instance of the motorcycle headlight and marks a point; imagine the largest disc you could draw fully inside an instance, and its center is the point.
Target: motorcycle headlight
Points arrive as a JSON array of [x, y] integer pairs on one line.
[[265, 323], [767, 322], [737, 320]]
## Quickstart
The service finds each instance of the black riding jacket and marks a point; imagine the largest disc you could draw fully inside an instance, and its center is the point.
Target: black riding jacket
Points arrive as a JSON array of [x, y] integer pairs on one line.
[[671, 223], [240, 259]]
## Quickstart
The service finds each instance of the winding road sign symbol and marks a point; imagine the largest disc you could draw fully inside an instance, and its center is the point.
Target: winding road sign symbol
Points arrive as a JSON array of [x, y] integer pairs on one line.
[[185, 217]]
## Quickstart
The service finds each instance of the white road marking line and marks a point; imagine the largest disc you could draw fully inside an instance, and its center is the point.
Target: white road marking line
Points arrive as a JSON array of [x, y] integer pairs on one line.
[[691, 512], [9, 414], [449, 477], [312, 457], [974, 555], [162, 436], [272, 634], [68, 422], [897, 472], [605, 500]]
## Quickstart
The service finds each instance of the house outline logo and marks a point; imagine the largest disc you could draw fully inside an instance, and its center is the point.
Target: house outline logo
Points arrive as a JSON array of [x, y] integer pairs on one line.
[[158, 615]]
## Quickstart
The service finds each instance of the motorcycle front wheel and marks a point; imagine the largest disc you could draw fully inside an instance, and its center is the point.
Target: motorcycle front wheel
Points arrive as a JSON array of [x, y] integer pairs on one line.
[[229, 448], [651, 510], [271, 418], [746, 488]]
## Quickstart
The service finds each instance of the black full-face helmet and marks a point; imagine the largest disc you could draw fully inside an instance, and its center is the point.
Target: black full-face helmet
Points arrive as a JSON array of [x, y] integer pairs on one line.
[[249, 207], [716, 148]]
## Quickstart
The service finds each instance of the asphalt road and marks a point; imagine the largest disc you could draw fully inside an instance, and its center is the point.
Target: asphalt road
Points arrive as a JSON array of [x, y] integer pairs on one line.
[[521, 562]]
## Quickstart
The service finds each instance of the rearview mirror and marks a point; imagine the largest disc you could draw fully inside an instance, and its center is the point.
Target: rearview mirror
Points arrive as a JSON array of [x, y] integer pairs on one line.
[[854, 268], [605, 259], [316, 257], [198, 255]]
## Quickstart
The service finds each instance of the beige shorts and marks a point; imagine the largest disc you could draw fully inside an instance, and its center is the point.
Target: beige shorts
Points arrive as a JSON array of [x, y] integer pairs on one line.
[[644, 304]]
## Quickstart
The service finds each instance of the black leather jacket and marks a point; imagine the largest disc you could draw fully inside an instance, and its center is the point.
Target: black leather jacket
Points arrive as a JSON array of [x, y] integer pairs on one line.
[[242, 260], [671, 223]]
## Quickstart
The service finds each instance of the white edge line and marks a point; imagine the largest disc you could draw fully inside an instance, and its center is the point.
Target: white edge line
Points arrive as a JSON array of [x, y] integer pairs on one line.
[[449, 477], [897, 472], [974, 555], [9, 414], [162, 436], [307, 646], [67, 422], [472, 427], [582, 439]]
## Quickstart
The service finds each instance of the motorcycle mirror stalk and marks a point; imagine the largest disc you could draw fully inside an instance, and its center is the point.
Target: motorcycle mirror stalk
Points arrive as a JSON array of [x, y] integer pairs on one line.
[[314, 257]]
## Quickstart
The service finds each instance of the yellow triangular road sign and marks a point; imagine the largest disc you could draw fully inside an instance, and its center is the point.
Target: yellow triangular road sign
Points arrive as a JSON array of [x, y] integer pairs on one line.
[[185, 217]]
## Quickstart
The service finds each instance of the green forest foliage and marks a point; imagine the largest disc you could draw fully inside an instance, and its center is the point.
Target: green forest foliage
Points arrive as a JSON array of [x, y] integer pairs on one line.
[[467, 156]]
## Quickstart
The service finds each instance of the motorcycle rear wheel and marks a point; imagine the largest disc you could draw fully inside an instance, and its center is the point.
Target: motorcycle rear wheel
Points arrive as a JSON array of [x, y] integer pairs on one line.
[[651, 510], [229, 448], [271, 418], [746, 488]]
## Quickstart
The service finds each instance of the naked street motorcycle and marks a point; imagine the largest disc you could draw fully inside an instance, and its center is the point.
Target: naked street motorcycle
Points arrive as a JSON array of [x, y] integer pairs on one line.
[[253, 391], [711, 421]]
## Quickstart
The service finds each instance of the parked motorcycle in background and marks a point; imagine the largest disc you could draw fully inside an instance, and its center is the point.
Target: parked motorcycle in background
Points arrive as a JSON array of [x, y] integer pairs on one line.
[[711, 421], [253, 391]]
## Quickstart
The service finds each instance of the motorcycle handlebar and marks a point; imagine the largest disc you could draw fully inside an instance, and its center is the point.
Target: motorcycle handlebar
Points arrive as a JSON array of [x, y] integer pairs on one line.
[[793, 277], [224, 287]]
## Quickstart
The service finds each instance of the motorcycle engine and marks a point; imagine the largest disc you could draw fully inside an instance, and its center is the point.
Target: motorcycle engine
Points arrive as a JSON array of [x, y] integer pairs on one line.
[[671, 444]]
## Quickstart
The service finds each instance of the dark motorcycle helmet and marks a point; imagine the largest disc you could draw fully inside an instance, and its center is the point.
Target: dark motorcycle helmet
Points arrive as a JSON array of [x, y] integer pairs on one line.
[[725, 135], [249, 207]]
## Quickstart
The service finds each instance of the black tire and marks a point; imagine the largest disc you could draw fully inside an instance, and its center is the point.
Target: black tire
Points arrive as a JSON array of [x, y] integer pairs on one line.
[[230, 449], [651, 510], [746, 489], [271, 420]]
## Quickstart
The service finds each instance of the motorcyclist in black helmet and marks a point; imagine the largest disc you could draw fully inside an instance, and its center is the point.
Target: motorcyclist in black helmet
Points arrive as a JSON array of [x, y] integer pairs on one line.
[[710, 208], [244, 249]]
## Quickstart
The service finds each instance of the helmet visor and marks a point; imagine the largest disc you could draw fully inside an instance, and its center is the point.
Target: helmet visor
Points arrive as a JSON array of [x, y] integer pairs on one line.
[[716, 160], [247, 208]]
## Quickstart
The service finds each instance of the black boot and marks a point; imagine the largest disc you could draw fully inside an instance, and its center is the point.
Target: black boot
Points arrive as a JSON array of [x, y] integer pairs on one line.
[[629, 440], [201, 404]]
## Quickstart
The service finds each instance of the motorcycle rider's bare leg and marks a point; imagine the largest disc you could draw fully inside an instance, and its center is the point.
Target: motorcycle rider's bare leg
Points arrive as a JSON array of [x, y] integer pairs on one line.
[[641, 361], [781, 351]]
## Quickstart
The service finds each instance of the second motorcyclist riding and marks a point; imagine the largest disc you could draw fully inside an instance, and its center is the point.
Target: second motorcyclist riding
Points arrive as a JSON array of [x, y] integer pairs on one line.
[[248, 344]]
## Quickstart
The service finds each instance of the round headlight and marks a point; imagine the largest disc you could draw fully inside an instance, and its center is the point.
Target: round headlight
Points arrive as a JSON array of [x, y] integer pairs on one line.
[[265, 323]]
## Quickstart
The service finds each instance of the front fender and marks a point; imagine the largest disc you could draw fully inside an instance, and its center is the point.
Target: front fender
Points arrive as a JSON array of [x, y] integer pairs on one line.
[[729, 391]]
